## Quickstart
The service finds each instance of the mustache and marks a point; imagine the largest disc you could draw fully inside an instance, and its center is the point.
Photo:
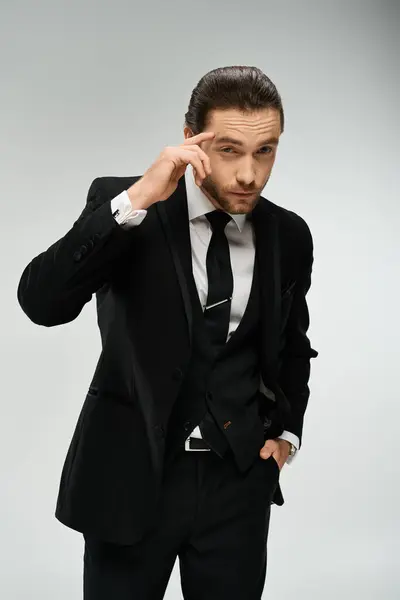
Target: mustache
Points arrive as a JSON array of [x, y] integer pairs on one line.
[[210, 186]]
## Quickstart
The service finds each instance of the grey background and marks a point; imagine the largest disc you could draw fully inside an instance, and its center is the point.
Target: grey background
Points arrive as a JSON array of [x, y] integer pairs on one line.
[[95, 88]]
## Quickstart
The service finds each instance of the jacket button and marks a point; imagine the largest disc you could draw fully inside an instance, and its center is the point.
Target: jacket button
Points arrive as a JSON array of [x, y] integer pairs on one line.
[[77, 256], [83, 249], [177, 373], [187, 426]]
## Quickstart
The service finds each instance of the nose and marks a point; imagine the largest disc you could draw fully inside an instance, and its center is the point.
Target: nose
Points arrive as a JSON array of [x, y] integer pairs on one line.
[[246, 175]]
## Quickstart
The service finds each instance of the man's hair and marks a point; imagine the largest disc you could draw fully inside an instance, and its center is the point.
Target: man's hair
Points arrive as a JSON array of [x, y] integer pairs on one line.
[[241, 87]]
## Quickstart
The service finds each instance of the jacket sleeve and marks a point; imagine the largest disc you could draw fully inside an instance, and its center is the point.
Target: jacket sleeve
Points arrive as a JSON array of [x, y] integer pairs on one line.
[[295, 356], [56, 284]]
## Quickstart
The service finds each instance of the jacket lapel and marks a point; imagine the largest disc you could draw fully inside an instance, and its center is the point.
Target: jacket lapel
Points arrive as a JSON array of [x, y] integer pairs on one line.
[[268, 263], [174, 216]]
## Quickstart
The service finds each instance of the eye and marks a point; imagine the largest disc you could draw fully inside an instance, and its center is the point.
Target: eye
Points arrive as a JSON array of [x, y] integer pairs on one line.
[[266, 149]]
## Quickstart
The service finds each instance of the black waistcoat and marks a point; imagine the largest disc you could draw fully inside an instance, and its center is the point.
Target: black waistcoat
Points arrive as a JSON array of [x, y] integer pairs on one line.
[[226, 385]]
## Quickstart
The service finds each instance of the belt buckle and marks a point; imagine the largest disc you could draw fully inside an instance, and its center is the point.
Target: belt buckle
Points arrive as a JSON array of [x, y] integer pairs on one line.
[[189, 449]]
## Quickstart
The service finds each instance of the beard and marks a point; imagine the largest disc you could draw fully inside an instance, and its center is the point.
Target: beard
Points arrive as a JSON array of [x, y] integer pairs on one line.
[[238, 207]]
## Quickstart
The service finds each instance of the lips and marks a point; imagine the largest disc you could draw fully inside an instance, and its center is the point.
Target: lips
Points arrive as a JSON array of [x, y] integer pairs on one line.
[[243, 193]]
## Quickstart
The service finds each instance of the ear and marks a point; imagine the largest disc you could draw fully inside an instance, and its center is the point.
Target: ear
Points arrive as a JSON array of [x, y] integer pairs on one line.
[[187, 132]]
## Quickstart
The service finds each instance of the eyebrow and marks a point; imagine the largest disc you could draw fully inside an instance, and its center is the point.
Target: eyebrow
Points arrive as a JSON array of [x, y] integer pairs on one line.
[[229, 140]]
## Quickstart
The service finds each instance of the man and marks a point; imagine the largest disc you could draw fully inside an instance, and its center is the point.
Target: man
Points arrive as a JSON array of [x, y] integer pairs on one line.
[[199, 394]]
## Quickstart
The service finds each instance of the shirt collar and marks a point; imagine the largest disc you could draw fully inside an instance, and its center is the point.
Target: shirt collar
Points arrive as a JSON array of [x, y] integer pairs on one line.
[[199, 204]]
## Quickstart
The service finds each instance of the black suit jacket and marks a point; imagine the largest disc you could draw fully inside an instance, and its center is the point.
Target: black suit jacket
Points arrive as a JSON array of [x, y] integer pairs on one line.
[[112, 473]]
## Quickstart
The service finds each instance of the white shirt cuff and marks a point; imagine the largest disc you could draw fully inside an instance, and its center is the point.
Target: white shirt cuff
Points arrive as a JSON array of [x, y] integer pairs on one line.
[[290, 437], [123, 212]]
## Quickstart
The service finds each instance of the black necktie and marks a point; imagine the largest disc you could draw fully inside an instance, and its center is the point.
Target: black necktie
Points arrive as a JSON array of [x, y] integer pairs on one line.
[[217, 311], [220, 281]]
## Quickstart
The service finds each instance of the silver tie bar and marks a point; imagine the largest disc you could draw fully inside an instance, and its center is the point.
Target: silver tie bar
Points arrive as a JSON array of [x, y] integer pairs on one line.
[[217, 303]]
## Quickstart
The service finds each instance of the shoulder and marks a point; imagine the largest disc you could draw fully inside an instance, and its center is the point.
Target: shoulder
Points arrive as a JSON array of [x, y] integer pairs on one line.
[[110, 186], [293, 228]]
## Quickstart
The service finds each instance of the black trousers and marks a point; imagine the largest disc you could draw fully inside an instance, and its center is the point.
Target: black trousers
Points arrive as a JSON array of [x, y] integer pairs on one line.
[[212, 517]]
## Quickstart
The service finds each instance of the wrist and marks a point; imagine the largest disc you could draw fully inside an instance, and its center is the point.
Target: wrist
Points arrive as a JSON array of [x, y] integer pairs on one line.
[[140, 200], [288, 445]]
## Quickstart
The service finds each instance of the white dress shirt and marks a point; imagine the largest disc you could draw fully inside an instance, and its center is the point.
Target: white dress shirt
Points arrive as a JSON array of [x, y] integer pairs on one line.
[[240, 235]]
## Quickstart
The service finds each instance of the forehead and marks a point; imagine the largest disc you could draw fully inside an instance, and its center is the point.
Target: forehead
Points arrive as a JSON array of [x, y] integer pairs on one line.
[[247, 125]]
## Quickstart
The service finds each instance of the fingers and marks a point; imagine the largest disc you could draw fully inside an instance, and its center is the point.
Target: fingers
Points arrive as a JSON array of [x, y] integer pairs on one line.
[[201, 137], [269, 448], [199, 160], [192, 143], [190, 153], [203, 157], [266, 453], [193, 159]]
